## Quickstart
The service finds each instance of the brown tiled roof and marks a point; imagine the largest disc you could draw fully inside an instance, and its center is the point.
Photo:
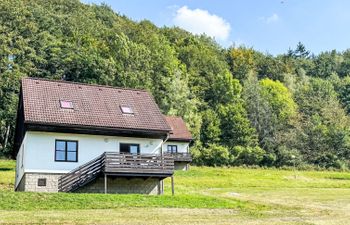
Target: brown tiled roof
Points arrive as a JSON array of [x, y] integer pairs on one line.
[[179, 129], [94, 106]]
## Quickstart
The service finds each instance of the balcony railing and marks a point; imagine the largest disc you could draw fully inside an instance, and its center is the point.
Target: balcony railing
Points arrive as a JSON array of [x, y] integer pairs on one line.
[[181, 156], [140, 163]]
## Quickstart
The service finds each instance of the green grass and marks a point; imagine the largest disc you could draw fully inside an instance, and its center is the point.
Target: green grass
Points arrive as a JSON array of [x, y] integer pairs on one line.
[[202, 196], [7, 174]]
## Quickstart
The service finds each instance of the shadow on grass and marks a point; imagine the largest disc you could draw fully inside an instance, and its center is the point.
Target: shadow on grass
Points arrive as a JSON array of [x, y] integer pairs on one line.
[[339, 178], [6, 169]]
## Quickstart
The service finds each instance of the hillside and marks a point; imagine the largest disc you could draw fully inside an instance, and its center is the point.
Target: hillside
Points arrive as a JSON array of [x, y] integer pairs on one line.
[[242, 106], [203, 196]]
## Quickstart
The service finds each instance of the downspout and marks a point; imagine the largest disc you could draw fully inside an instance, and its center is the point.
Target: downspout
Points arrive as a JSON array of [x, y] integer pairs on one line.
[[164, 141], [161, 183]]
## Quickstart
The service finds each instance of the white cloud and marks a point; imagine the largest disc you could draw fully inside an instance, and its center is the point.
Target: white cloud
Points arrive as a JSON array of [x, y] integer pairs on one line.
[[200, 21], [271, 19]]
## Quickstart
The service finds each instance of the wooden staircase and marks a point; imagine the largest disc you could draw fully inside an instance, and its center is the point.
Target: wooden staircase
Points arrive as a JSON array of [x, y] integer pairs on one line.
[[82, 175], [117, 164]]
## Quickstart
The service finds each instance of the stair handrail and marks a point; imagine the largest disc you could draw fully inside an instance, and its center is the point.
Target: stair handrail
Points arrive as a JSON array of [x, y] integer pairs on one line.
[[73, 177]]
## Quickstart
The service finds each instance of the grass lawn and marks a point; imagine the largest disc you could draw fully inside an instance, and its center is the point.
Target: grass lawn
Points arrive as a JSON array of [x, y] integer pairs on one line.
[[202, 196]]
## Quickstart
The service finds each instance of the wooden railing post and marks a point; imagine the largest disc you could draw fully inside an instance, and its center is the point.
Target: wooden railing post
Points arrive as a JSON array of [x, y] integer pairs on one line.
[[172, 185]]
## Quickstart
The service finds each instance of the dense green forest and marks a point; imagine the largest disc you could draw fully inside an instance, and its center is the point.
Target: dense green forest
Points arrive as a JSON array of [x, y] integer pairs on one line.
[[242, 106]]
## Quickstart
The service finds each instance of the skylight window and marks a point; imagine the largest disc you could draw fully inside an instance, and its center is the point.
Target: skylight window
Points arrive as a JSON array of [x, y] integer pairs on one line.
[[66, 104], [126, 110]]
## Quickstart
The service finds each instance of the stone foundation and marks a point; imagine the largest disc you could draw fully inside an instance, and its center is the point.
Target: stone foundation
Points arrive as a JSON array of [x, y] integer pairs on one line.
[[44, 182], [181, 166], [39, 182], [122, 185]]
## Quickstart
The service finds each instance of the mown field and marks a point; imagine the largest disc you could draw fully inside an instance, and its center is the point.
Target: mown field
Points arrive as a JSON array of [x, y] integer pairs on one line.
[[203, 196]]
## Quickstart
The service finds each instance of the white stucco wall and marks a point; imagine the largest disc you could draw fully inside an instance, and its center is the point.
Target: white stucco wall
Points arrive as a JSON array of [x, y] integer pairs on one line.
[[182, 147], [20, 163], [39, 151]]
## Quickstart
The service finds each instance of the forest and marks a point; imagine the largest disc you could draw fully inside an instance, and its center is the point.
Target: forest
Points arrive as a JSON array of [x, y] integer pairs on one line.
[[243, 107]]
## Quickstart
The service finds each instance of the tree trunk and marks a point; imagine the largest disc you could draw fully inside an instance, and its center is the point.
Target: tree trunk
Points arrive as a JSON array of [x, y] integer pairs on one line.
[[7, 134]]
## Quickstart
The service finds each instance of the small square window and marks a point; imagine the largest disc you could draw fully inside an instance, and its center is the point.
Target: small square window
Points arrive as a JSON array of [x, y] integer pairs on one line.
[[66, 151], [126, 110], [66, 104], [42, 182]]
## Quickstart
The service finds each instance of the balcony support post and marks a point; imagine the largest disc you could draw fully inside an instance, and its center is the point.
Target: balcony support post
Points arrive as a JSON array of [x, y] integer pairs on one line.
[[105, 183], [172, 185]]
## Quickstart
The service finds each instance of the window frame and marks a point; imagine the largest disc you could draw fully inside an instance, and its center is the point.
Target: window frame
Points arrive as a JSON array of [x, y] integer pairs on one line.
[[171, 149], [42, 182], [66, 150], [126, 110], [130, 144], [62, 102]]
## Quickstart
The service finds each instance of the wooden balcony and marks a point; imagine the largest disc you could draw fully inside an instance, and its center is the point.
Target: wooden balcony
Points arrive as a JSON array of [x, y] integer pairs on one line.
[[117, 164], [139, 165], [181, 157]]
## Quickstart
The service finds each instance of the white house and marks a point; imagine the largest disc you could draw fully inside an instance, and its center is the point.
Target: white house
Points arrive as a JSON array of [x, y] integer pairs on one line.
[[178, 142], [91, 138]]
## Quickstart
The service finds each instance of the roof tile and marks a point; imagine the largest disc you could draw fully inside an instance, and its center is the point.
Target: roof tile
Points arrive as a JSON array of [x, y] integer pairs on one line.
[[94, 105], [179, 129]]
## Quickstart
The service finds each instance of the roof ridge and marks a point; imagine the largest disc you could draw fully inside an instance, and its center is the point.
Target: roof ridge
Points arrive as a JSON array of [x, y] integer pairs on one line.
[[84, 84], [179, 117]]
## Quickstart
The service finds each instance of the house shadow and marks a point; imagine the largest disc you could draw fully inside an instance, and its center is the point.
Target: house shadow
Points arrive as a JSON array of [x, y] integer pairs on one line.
[[6, 169], [339, 178]]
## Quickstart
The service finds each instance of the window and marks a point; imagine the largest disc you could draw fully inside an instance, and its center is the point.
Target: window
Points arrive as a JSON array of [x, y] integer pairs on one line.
[[66, 151], [42, 182], [66, 104], [130, 148], [126, 110], [172, 149]]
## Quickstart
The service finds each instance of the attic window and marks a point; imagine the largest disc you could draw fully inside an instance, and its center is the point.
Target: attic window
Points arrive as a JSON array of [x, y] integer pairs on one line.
[[126, 110], [66, 104]]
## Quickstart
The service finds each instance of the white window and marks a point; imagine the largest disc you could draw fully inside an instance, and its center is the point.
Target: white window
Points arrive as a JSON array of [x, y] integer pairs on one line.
[[66, 104], [126, 110]]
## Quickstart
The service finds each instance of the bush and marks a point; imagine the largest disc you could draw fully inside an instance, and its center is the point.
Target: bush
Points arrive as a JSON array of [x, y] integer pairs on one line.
[[247, 155], [327, 160], [215, 155], [288, 157], [269, 159], [196, 154], [342, 165]]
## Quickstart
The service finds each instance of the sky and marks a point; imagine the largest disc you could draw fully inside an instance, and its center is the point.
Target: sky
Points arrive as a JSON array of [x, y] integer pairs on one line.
[[271, 26]]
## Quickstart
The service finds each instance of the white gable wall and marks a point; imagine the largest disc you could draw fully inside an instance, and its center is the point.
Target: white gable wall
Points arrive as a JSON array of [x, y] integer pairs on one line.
[[39, 150], [20, 162], [182, 147]]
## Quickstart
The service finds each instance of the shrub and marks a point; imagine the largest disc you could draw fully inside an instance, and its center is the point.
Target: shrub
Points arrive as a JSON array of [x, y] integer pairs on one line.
[[288, 157], [247, 155], [215, 155]]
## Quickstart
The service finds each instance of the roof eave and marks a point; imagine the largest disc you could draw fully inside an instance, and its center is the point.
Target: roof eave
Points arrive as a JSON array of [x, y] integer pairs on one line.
[[74, 128], [181, 139]]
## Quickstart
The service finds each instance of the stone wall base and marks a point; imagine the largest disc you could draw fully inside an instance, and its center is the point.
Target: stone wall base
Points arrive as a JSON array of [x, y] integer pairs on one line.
[[123, 185], [39, 182], [119, 185], [181, 165]]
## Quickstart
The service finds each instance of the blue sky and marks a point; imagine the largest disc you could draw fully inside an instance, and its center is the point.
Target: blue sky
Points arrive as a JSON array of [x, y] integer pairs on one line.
[[267, 25]]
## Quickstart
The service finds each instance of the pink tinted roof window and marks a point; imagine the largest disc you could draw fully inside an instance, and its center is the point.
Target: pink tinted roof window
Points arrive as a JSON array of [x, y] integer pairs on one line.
[[126, 109], [66, 104]]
